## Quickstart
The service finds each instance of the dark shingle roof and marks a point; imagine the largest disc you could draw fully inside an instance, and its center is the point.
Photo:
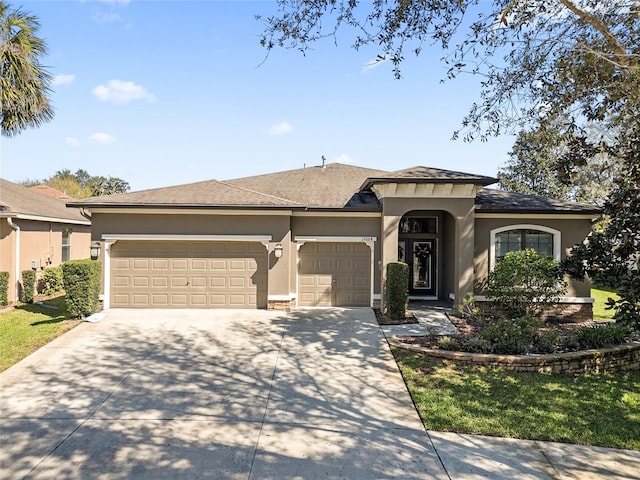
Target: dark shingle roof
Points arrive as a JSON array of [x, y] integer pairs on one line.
[[421, 174], [210, 193], [18, 200], [498, 201], [333, 186]]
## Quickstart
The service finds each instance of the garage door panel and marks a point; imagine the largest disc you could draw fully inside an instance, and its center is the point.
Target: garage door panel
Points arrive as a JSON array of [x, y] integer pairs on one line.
[[334, 273], [173, 274]]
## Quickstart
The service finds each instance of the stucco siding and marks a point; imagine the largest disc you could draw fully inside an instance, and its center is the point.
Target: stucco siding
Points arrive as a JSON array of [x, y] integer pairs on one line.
[[40, 242], [572, 231]]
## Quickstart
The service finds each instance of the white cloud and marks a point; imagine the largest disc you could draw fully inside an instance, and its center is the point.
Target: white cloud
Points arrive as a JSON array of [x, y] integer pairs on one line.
[[122, 92], [375, 63], [102, 138], [281, 128], [115, 2], [102, 17], [63, 79], [72, 141], [345, 158]]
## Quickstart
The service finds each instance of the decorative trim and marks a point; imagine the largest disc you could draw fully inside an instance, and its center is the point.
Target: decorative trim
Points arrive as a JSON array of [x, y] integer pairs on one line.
[[425, 190], [337, 214], [189, 211], [38, 218], [541, 216], [557, 239], [153, 236]]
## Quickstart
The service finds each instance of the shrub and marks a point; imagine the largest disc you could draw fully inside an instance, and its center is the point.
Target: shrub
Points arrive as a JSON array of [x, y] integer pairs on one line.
[[51, 281], [517, 336], [602, 336], [397, 291], [448, 343], [81, 279], [525, 281], [477, 345], [28, 286], [4, 288], [468, 308]]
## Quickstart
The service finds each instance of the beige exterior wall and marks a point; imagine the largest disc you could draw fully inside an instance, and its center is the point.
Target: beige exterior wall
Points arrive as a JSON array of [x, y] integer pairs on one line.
[[40, 242], [456, 248], [572, 231]]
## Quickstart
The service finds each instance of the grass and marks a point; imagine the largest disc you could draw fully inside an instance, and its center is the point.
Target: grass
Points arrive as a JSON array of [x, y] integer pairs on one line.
[[601, 410], [29, 327], [600, 296]]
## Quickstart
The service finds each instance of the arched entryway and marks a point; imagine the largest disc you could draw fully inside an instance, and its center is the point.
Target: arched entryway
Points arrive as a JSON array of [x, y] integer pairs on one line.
[[426, 243]]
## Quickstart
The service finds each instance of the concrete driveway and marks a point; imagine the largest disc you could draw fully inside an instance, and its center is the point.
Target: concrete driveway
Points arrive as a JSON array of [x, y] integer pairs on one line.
[[214, 394]]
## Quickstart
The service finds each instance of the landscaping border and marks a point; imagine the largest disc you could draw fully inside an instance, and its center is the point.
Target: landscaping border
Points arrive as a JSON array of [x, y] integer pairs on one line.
[[613, 359]]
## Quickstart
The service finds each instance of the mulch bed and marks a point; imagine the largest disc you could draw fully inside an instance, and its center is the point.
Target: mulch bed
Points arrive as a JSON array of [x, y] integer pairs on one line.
[[384, 319], [473, 328]]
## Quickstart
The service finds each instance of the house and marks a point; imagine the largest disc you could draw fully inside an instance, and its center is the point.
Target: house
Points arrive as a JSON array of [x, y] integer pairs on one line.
[[37, 231], [321, 236]]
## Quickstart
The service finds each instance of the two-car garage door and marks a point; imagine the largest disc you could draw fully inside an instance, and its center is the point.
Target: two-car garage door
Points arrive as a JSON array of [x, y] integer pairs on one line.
[[188, 274]]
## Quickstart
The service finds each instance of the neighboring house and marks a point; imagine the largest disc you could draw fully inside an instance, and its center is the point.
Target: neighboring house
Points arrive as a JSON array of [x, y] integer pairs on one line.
[[321, 236], [37, 231]]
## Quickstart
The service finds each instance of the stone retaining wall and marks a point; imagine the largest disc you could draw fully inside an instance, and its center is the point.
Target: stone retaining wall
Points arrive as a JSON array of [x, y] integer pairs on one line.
[[621, 358]]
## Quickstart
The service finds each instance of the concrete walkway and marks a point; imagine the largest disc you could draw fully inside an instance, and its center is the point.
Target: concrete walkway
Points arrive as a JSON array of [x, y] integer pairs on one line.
[[432, 320], [246, 395]]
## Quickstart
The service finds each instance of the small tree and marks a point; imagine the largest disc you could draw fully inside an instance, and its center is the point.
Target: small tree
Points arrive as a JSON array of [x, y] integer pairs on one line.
[[397, 291], [524, 283]]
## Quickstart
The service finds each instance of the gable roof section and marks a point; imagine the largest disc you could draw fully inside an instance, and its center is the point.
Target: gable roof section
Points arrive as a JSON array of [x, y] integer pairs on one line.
[[334, 185], [22, 202], [210, 193], [421, 174], [45, 189], [489, 200]]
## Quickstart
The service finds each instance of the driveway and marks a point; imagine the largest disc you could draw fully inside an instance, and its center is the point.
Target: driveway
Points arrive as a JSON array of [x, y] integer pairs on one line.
[[214, 394]]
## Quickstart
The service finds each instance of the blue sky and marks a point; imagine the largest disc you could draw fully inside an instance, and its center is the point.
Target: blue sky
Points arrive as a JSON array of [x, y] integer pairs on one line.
[[164, 92]]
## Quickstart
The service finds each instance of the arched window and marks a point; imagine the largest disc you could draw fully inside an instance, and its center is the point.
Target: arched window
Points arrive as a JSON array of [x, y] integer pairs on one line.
[[521, 237]]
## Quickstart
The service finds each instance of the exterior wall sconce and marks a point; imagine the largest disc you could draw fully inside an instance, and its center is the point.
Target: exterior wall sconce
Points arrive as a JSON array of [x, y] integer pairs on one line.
[[277, 250], [95, 250]]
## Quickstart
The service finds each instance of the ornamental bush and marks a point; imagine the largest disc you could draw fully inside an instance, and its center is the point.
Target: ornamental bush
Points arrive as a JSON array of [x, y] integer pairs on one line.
[[51, 281], [4, 288], [397, 290], [28, 286], [81, 280], [525, 282]]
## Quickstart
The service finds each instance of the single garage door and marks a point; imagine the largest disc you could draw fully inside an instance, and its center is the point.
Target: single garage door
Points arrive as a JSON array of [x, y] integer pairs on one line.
[[188, 274], [334, 274]]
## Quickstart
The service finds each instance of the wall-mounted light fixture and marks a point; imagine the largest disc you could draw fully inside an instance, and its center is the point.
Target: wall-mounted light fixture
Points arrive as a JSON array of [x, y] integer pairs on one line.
[[95, 250], [277, 250]]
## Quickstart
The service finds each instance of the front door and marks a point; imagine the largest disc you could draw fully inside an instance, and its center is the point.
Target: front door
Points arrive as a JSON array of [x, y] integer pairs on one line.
[[421, 256]]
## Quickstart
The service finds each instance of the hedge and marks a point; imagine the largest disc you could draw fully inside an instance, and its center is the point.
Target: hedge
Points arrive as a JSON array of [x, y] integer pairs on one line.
[[4, 288], [81, 280], [28, 286], [397, 291], [51, 281]]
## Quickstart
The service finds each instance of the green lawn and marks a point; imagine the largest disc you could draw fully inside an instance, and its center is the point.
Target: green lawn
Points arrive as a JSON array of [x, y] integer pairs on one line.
[[600, 296], [27, 328], [602, 410]]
